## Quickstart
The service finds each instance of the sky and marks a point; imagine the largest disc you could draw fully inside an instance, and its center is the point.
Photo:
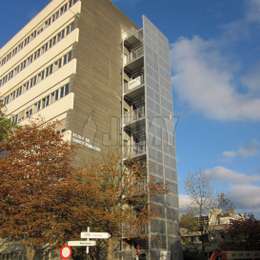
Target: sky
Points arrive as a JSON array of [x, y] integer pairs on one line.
[[215, 52]]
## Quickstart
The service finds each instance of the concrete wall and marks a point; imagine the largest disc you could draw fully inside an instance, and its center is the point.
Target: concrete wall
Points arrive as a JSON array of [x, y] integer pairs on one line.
[[97, 84]]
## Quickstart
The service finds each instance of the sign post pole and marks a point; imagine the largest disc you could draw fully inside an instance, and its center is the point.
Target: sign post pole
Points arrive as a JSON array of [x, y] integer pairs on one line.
[[87, 248], [89, 235]]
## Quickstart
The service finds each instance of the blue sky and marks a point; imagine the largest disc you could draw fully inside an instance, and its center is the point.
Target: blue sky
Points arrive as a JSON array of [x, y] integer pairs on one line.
[[216, 81]]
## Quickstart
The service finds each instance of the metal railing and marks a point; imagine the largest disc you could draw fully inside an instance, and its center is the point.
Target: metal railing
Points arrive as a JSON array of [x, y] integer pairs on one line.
[[134, 83], [139, 148], [135, 54], [134, 149], [134, 115], [134, 230]]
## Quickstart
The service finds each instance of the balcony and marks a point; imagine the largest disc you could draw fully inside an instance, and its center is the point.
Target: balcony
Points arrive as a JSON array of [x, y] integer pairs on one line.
[[135, 232], [135, 115], [135, 149], [135, 54], [134, 83], [134, 61], [134, 40], [134, 89]]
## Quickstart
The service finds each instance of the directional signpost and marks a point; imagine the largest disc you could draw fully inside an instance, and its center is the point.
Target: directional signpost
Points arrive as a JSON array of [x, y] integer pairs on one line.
[[82, 243], [89, 235], [95, 235]]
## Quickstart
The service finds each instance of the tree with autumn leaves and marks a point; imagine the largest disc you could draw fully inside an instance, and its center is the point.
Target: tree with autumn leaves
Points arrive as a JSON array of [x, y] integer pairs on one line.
[[242, 234], [45, 200], [5, 123]]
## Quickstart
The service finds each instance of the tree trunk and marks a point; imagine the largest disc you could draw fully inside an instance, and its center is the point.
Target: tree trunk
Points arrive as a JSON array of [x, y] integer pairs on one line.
[[30, 253], [202, 231], [110, 249]]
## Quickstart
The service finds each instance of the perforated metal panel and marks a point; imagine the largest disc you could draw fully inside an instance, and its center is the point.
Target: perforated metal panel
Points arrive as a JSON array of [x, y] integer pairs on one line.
[[161, 160]]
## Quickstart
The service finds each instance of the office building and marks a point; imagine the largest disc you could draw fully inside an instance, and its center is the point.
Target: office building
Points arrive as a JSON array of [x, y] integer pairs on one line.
[[108, 83]]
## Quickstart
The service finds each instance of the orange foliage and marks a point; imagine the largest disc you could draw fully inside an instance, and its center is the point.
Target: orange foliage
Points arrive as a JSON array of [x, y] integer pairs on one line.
[[43, 199]]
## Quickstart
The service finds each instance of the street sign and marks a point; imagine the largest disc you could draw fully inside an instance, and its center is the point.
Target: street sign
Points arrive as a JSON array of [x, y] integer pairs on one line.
[[95, 235], [86, 243], [65, 252], [88, 235]]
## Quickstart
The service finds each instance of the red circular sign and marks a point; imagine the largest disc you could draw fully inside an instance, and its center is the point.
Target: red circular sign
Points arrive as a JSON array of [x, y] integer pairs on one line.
[[138, 250], [65, 252]]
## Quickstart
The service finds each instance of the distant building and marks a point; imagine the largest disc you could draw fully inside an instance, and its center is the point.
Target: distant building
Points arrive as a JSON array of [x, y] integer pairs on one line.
[[213, 224], [218, 218]]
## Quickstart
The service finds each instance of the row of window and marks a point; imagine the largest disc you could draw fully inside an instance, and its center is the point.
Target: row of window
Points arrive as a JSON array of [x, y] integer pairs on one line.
[[37, 31], [39, 77], [39, 52], [41, 104]]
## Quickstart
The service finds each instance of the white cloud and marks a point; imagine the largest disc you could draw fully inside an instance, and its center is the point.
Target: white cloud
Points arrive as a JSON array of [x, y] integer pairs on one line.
[[208, 80], [242, 189], [253, 12], [185, 201], [240, 29], [231, 177], [247, 151], [204, 78], [246, 197]]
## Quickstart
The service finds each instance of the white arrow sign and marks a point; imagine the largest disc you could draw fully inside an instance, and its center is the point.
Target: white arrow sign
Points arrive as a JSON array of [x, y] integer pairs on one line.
[[95, 235], [82, 243]]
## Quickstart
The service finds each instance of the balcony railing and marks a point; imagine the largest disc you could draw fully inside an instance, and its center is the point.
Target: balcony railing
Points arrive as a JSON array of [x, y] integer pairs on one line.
[[139, 148], [135, 54], [130, 231], [134, 149], [134, 83], [134, 115]]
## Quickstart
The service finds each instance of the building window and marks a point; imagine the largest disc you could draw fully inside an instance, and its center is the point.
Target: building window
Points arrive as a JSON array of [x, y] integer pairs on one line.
[[56, 95], [38, 53], [37, 106], [42, 104], [67, 89], [47, 101], [19, 92], [29, 113], [36, 32], [6, 100], [62, 92], [37, 78]]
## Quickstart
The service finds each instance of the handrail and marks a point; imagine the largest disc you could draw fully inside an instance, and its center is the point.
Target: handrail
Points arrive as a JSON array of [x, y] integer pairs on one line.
[[134, 83], [135, 115], [135, 149]]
